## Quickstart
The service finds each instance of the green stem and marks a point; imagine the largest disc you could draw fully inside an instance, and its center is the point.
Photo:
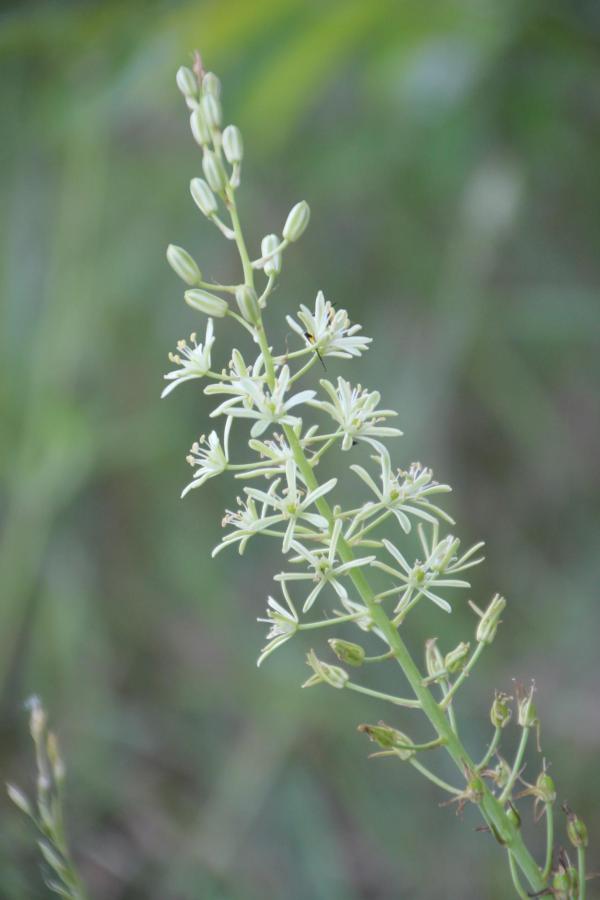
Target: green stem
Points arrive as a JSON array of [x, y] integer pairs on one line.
[[549, 840], [490, 750], [390, 698], [434, 778], [505, 795], [515, 877], [581, 872], [491, 809]]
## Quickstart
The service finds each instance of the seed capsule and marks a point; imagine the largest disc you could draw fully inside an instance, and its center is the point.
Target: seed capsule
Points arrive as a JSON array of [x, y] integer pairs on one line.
[[206, 303], [183, 265], [500, 713], [347, 652], [456, 659], [296, 222], [203, 197], [233, 146]]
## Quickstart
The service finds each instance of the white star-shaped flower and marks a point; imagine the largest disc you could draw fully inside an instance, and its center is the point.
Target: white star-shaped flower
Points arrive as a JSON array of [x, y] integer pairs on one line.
[[194, 360], [355, 411], [268, 407], [403, 493], [284, 624], [328, 331], [325, 569], [293, 505], [209, 457]]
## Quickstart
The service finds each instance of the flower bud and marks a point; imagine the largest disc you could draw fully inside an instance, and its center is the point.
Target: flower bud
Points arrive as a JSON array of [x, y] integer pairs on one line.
[[203, 197], [501, 712], [389, 739], [211, 110], [200, 129], [488, 624], [183, 265], [455, 659], [214, 172], [576, 829], [331, 675], [434, 661], [347, 652], [206, 303], [267, 246], [248, 303], [211, 85], [233, 146], [186, 82], [296, 222]]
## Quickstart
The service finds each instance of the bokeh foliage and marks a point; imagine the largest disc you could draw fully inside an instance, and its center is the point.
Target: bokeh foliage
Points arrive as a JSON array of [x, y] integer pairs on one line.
[[449, 153]]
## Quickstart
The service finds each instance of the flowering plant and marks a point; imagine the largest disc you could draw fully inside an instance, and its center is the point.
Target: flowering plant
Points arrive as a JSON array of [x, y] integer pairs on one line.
[[355, 554], [358, 557]]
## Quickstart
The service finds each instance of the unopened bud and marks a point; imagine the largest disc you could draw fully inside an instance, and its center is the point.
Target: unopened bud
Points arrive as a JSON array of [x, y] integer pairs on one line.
[[488, 624], [211, 85], [203, 197], [183, 265], [332, 675], [296, 222], [206, 303], [200, 129], [248, 303], [186, 82], [434, 661], [214, 172], [455, 659], [233, 146], [501, 712], [347, 652], [211, 110], [389, 739], [576, 829], [272, 265]]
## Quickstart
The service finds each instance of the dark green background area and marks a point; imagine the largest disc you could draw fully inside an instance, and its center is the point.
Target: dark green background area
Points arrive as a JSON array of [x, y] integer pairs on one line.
[[450, 154]]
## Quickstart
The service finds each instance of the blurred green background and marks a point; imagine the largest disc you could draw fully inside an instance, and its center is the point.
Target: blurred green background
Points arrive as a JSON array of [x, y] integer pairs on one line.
[[449, 152]]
